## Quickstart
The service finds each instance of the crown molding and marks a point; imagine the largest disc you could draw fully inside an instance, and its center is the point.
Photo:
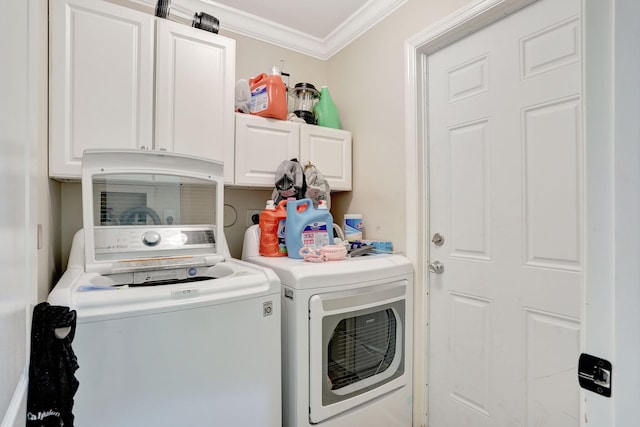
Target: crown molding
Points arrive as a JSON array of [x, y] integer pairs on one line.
[[258, 28], [358, 23]]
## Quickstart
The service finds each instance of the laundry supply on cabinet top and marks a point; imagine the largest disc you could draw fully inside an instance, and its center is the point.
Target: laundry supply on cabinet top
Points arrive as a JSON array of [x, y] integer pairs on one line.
[[326, 111], [268, 95], [305, 96]]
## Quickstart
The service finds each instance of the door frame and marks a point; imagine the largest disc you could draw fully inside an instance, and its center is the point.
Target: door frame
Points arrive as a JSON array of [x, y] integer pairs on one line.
[[599, 132]]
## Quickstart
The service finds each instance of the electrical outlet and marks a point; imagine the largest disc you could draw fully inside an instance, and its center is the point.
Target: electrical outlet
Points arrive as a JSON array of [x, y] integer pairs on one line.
[[250, 214]]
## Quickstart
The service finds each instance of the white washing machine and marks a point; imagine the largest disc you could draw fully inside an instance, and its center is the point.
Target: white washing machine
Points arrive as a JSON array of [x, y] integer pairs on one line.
[[170, 331], [347, 329]]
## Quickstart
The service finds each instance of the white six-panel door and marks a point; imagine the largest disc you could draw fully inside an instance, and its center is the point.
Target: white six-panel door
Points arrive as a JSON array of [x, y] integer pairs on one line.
[[506, 193]]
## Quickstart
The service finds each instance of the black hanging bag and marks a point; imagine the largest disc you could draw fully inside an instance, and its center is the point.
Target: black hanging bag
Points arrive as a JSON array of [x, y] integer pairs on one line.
[[52, 381]]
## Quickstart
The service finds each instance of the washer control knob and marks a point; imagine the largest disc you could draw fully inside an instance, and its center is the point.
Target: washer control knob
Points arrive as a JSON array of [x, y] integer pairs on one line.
[[151, 238]]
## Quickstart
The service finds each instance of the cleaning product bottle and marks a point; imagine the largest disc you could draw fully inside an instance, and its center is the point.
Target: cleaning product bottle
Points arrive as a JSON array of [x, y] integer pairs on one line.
[[326, 111], [353, 227], [268, 95], [307, 227], [272, 228]]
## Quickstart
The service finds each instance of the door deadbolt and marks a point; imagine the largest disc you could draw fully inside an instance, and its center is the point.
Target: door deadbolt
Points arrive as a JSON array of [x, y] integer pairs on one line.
[[436, 267], [437, 239]]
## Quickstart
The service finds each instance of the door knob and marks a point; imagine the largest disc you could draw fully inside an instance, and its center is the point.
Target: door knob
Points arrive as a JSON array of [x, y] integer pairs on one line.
[[436, 267]]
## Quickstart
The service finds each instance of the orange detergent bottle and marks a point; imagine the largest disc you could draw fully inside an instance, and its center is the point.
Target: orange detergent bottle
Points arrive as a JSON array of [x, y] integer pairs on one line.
[[272, 229], [268, 96]]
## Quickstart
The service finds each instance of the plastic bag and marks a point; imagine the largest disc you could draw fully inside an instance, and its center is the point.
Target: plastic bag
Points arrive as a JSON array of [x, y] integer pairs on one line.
[[317, 186], [289, 181], [243, 96], [292, 180]]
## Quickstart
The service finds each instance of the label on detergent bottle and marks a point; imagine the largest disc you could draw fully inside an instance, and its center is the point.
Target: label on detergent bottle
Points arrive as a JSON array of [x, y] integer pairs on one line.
[[282, 246], [316, 235], [259, 99]]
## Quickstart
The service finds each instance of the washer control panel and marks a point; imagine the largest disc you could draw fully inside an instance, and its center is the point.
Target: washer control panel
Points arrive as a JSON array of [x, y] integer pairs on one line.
[[114, 240]]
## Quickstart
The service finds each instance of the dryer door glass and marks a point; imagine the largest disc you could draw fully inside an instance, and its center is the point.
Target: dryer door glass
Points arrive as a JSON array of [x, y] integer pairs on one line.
[[362, 350], [360, 347], [359, 340]]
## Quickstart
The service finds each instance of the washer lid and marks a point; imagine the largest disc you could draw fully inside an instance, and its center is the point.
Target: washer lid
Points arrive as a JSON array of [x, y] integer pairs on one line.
[[150, 210]]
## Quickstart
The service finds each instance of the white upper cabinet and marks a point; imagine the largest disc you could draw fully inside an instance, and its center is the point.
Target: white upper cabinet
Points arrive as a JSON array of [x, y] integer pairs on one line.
[[329, 150], [103, 59], [262, 144], [100, 80], [195, 73]]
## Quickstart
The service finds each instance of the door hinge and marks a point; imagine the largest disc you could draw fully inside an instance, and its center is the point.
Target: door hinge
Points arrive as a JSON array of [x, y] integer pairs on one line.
[[594, 374]]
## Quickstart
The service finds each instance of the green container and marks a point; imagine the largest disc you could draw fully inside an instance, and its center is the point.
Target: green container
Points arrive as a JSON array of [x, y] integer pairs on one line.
[[326, 112]]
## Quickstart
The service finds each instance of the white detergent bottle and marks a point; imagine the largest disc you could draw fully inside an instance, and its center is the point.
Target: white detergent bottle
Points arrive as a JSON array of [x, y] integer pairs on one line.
[[307, 227]]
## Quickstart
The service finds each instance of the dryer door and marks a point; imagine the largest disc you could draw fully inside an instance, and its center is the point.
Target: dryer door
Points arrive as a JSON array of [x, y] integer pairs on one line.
[[357, 347]]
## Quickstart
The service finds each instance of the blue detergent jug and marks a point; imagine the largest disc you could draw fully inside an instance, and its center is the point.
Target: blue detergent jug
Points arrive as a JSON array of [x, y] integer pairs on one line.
[[307, 227]]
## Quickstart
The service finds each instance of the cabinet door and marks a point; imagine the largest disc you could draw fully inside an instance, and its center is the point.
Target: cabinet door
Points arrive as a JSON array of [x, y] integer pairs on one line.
[[101, 81], [330, 151], [261, 145], [195, 75]]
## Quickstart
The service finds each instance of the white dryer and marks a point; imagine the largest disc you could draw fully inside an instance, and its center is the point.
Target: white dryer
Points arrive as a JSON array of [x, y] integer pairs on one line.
[[347, 332], [170, 331]]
